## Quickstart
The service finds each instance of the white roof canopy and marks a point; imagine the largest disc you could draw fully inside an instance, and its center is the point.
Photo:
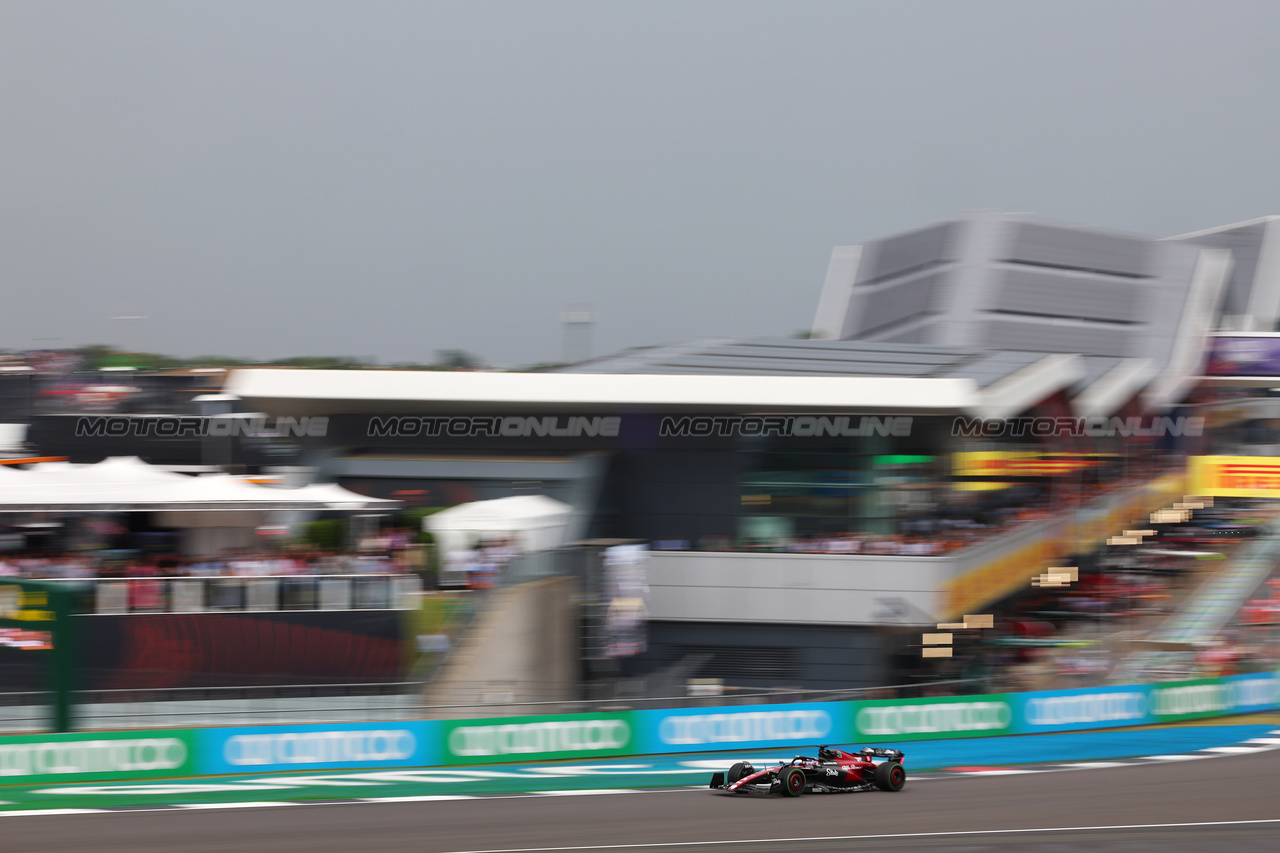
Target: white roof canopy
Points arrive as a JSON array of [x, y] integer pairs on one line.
[[328, 392], [123, 484], [536, 521]]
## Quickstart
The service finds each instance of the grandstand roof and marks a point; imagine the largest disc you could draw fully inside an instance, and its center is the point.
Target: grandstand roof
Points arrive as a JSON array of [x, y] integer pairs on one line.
[[761, 375], [798, 357]]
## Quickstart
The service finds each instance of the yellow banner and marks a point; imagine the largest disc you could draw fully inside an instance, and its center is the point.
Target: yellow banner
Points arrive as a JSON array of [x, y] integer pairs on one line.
[[997, 464], [1234, 476]]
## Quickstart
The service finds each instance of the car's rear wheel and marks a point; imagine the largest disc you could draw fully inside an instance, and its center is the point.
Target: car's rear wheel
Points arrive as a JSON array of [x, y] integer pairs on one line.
[[793, 782], [735, 773], [890, 776]]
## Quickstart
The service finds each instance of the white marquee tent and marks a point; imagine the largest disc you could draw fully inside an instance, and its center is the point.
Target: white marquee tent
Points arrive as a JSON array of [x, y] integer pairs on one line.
[[535, 522], [126, 484]]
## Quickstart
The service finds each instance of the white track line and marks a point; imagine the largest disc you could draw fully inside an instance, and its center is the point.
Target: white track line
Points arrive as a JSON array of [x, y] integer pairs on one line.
[[1236, 750], [422, 798], [829, 838], [248, 804], [585, 792]]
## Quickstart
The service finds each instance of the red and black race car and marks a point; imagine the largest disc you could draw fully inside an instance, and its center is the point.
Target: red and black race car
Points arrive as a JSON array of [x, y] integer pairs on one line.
[[832, 772]]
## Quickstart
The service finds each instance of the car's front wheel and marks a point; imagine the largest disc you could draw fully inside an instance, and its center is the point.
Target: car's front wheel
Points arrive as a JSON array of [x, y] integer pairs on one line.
[[736, 772], [890, 776], [793, 782]]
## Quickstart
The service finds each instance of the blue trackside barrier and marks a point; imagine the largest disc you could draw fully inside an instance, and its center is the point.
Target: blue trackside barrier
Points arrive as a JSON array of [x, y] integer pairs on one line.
[[612, 734]]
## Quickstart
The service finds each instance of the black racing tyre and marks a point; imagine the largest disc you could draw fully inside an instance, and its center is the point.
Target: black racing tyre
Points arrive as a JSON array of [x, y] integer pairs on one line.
[[735, 773], [890, 776], [793, 782]]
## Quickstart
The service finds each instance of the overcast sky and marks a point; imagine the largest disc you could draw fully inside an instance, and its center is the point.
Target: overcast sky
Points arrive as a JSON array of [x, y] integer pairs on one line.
[[391, 179]]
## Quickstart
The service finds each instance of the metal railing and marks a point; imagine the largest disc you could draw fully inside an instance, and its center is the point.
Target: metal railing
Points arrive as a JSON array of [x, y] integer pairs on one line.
[[730, 696], [392, 701], [213, 594], [220, 706]]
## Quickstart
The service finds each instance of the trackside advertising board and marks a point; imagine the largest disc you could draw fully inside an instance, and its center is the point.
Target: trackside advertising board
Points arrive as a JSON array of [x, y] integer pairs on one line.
[[741, 727], [334, 746], [930, 719], [1189, 700], [1074, 710], [169, 753], [96, 756], [536, 738], [1144, 704]]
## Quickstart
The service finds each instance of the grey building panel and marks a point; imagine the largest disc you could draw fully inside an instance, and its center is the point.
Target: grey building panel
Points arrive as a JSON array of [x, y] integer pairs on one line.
[[796, 367], [1012, 282], [790, 348], [1245, 244], [771, 354], [917, 335], [1074, 248], [781, 354], [897, 302], [1062, 294], [1174, 266], [998, 365], [799, 358], [911, 251], [790, 357], [1045, 336]]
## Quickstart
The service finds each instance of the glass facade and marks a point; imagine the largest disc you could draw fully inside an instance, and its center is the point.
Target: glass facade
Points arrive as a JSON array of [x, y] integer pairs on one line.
[[792, 490]]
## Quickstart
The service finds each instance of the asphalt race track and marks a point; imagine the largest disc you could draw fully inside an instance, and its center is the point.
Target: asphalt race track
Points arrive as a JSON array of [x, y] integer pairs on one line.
[[1228, 802]]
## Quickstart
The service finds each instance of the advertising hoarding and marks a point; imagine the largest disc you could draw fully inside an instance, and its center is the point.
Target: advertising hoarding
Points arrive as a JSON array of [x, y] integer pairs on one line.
[[928, 719], [92, 756], [109, 756], [1234, 476], [253, 749], [742, 727], [1244, 355], [600, 735], [1213, 697], [1074, 710]]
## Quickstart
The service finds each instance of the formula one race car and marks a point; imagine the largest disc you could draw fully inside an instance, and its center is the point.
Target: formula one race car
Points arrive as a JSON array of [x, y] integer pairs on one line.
[[832, 772]]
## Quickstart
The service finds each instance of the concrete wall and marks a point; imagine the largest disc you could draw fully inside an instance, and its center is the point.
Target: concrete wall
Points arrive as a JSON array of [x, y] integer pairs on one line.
[[522, 648], [800, 589]]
